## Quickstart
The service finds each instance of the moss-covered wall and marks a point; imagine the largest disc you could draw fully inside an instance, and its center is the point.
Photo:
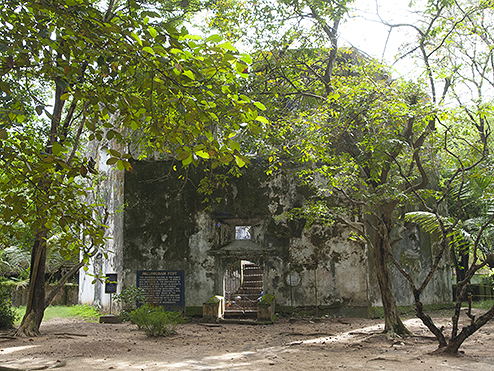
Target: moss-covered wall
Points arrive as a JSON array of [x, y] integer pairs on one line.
[[332, 267], [415, 253], [165, 229], [167, 226]]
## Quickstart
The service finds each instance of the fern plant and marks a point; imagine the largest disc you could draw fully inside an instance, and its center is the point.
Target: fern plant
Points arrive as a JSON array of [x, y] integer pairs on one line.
[[469, 226]]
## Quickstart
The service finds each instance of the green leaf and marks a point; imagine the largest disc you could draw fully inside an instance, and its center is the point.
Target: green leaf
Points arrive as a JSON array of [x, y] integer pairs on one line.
[[189, 74], [262, 119], [191, 37], [111, 160], [114, 152], [160, 50], [227, 46], [3, 134], [148, 49], [214, 38], [226, 159], [120, 165], [234, 145], [100, 60], [183, 155], [241, 68], [127, 165], [240, 162], [187, 161], [246, 58], [39, 110], [202, 154], [245, 98], [136, 38], [56, 148], [261, 106], [152, 32]]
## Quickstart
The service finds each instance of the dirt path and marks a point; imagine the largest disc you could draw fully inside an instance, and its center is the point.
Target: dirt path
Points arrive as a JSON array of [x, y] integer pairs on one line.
[[301, 344]]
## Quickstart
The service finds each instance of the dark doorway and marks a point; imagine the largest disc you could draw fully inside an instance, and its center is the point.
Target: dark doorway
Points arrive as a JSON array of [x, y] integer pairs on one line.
[[243, 288]]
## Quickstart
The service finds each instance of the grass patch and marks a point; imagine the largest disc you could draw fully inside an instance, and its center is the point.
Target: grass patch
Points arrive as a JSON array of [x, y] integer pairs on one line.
[[485, 304], [84, 311]]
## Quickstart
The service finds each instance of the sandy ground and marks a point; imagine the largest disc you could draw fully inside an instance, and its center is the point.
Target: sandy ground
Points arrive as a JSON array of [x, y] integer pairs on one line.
[[290, 344]]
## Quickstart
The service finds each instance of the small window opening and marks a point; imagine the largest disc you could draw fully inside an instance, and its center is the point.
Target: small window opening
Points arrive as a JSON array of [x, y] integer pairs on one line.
[[243, 232]]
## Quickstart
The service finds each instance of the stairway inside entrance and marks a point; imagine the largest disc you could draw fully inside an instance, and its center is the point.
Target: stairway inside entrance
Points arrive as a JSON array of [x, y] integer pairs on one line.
[[242, 302]]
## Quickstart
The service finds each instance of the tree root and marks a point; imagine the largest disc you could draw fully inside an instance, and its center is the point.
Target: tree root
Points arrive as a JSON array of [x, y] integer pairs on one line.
[[445, 351], [27, 331]]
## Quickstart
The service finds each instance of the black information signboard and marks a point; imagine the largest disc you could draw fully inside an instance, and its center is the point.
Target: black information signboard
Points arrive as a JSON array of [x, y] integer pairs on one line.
[[111, 283], [163, 288]]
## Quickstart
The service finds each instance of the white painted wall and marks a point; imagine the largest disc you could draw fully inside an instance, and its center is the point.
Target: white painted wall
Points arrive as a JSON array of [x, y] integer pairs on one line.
[[109, 189]]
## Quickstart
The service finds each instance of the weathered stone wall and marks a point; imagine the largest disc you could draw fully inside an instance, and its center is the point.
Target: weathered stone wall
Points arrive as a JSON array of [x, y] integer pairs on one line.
[[329, 262], [67, 295], [415, 253], [166, 225], [164, 229]]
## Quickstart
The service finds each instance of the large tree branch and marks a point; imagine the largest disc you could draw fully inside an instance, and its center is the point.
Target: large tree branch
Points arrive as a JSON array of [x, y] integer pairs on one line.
[[56, 289], [78, 135], [332, 33]]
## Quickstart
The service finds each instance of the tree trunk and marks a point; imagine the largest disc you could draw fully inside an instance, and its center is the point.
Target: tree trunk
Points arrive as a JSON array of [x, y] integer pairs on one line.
[[36, 295], [455, 342], [35, 308], [393, 323], [392, 320]]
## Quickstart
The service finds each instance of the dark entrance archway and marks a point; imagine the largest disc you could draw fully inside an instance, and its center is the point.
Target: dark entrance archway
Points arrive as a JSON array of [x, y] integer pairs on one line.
[[243, 285]]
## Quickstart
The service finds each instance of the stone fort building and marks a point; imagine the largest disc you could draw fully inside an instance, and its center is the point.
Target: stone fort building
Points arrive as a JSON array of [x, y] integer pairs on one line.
[[160, 222]]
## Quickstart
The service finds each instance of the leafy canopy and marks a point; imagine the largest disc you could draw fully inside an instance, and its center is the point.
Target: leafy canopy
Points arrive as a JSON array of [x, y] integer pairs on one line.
[[72, 72]]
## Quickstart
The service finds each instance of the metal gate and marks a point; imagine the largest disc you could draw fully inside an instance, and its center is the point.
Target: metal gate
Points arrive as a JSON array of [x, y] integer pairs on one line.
[[243, 287]]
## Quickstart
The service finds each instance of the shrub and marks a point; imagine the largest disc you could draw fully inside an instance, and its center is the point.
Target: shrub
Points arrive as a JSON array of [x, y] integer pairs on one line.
[[7, 314], [129, 297], [155, 321]]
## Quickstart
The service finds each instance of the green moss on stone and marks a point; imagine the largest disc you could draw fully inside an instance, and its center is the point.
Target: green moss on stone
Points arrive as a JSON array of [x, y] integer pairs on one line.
[[266, 300], [214, 300]]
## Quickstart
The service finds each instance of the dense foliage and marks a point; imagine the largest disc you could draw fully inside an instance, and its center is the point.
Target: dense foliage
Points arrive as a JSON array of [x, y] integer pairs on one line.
[[7, 314], [118, 75], [371, 147]]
